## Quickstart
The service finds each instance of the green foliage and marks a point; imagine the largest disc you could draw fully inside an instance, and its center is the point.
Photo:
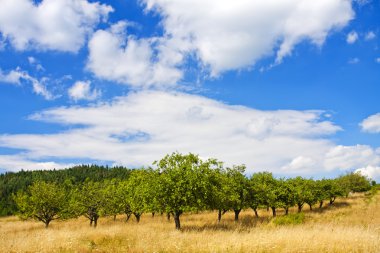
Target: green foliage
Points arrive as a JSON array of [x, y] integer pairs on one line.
[[112, 197], [42, 201], [237, 189], [286, 194], [354, 182], [88, 200], [291, 219], [180, 183], [11, 183], [139, 194], [183, 184]]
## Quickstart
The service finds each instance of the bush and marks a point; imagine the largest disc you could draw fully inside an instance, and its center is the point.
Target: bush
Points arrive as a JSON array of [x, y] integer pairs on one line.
[[291, 219]]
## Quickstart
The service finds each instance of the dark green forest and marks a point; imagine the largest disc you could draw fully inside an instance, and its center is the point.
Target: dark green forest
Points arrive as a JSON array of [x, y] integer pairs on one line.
[[177, 184], [11, 183]]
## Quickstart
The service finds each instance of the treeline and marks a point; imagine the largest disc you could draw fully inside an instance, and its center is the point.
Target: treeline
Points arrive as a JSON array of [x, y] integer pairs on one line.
[[179, 183], [11, 183]]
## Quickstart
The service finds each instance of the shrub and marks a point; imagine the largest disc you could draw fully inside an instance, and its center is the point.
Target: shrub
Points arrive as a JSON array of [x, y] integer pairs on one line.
[[291, 219]]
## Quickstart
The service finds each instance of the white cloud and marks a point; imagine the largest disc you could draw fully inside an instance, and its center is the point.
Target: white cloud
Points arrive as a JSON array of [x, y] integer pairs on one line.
[[17, 162], [32, 60], [35, 63], [353, 61], [81, 90], [351, 157], [144, 126], [51, 24], [300, 164], [352, 37], [362, 2], [371, 124], [125, 59], [228, 35], [372, 172], [19, 76], [370, 35], [378, 60]]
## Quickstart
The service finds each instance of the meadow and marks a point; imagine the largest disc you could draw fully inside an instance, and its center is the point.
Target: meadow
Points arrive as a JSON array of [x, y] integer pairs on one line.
[[351, 225]]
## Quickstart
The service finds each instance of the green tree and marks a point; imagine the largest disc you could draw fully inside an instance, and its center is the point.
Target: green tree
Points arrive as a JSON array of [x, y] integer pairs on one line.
[[219, 199], [237, 189], [285, 194], [354, 182], [321, 191], [138, 192], [329, 189], [267, 190], [112, 198], [183, 184], [88, 200], [300, 189], [42, 201], [311, 193], [123, 198]]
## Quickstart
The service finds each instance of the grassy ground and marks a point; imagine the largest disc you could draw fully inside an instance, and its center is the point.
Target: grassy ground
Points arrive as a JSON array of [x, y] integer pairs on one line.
[[352, 225]]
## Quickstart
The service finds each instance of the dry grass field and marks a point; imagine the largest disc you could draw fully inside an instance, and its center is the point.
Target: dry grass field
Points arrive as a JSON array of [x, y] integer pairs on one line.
[[352, 225]]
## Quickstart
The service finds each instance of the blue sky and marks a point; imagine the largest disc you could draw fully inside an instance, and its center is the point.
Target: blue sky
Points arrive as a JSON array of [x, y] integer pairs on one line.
[[290, 87]]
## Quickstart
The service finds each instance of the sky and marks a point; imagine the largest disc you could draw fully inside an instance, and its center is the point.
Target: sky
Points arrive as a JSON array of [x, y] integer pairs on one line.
[[290, 86]]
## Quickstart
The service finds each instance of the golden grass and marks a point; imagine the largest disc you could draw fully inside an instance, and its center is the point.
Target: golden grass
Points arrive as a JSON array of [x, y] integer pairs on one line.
[[353, 225]]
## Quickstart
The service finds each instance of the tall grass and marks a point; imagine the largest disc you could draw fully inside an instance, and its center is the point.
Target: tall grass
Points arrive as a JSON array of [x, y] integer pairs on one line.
[[352, 225]]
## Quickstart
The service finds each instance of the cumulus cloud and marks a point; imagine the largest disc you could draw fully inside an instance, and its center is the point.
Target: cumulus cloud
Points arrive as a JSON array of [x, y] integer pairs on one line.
[[81, 90], [144, 126], [372, 172], [115, 56], [35, 63], [219, 35], [17, 162], [228, 35], [18, 76], [371, 124], [351, 157], [352, 37], [300, 164], [370, 35], [51, 24]]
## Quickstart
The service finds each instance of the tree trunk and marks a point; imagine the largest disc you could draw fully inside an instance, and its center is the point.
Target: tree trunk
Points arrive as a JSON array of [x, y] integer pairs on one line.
[[96, 221], [176, 220], [219, 215], [47, 223], [255, 210], [273, 211], [153, 213], [114, 217], [237, 212], [128, 216], [137, 215], [168, 216], [300, 207], [286, 210], [332, 200], [311, 207], [91, 221], [320, 204]]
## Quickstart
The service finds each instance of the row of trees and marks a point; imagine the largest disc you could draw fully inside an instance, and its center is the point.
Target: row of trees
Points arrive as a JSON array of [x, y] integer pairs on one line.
[[11, 182], [181, 183]]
